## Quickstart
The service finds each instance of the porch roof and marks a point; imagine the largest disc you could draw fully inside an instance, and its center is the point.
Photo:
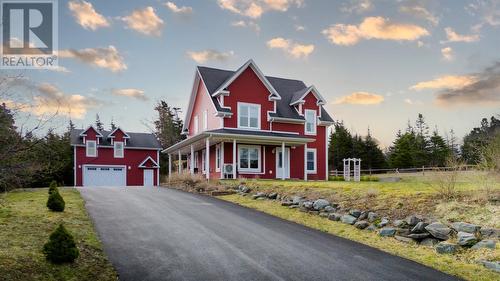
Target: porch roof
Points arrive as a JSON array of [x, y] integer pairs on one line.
[[262, 137]]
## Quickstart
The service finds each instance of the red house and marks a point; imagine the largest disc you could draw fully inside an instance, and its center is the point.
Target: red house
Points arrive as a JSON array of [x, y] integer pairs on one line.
[[239, 123], [117, 158]]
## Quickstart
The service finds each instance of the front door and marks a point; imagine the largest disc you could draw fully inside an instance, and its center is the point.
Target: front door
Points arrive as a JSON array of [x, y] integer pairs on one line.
[[148, 177], [280, 168]]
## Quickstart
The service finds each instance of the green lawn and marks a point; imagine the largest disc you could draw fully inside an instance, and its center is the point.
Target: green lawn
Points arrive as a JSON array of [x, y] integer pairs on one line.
[[25, 225], [461, 264]]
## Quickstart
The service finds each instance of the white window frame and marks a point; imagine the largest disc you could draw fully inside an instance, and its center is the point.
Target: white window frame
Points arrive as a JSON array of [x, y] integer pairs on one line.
[[87, 148], [205, 120], [203, 159], [115, 150], [313, 132], [313, 150], [217, 158], [259, 158], [196, 125], [241, 104]]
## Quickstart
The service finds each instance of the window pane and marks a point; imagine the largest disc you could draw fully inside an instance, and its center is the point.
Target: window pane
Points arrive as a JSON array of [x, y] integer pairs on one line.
[[244, 110], [243, 121], [310, 166], [280, 163], [254, 122], [243, 158], [254, 158]]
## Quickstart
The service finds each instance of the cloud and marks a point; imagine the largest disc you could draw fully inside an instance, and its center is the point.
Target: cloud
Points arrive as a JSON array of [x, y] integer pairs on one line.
[[108, 58], [293, 49], [131, 93], [373, 28], [299, 27], [420, 12], [255, 8], [86, 15], [447, 54], [452, 36], [488, 11], [184, 10], [144, 21], [446, 82], [411, 102], [363, 98], [357, 6], [209, 55], [249, 24], [485, 90]]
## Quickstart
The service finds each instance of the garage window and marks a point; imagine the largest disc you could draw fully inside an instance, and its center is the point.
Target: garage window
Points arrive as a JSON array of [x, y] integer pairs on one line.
[[118, 149], [91, 148]]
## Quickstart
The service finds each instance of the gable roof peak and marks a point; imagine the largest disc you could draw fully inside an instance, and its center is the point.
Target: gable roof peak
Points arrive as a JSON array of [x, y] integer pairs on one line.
[[125, 135], [84, 132]]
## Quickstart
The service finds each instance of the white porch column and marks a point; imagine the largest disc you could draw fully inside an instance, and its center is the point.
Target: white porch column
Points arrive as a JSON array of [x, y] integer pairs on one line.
[[221, 160], [283, 170], [169, 166], [234, 158], [207, 158], [191, 162], [305, 162], [179, 163]]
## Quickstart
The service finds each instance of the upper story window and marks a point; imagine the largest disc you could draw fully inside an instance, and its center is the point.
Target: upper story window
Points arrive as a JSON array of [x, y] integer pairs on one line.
[[118, 147], [311, 160], [248, 115], [310, 127], [195, 126], [205, 120], [91, 148]]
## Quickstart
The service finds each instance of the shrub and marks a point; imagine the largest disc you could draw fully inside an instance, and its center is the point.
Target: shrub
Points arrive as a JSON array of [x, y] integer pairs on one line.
[[52, 186], [336, 178], [369, 178], [56, 202], [189, 182], [61, 247]]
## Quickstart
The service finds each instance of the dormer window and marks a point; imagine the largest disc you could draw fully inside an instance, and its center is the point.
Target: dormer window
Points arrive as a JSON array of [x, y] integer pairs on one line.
[[248, 115], [310, 126], [118, 149], [91, 148]]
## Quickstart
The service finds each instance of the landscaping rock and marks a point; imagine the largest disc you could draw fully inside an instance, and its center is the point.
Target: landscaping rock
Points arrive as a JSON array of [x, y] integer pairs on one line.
[[383, 222], [258, 195], [361, 224], [245, 189], [418, 236], [465, 227], [348, 219], [261, 198], [363, 216], [413, 220], [306, 205], [320, 204], [400, 223], [371, 227], [446, 248], [293, 206], [402, 231], [286, 203], [387, 232], [419, 227], [493, 265], [324, 214], [272, 195], [489, 233], [355, 213], [485, 244], [329, 209], [334, 205], [439, 230], [372, 216], [429, 242], [466, 239], [334, 217], [314, 212], [296, 200], [403, 239]]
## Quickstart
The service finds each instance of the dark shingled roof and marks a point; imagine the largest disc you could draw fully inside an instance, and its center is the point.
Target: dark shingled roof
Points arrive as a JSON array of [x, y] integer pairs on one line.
[[286, 88], [140, 140]]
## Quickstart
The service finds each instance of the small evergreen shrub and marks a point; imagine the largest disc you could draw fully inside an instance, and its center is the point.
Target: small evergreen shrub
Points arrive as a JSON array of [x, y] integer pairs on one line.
[[56, 202], [52, 186], [61, 247]]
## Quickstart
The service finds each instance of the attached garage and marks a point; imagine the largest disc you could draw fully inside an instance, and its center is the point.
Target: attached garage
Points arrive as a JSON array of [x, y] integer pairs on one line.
[[104, 175]]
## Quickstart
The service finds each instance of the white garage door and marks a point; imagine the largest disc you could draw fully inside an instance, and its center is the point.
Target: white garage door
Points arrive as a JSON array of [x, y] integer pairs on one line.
[[104, 176]]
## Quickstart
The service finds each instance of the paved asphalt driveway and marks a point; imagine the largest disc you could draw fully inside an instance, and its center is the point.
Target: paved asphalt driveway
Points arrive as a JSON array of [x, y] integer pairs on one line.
[[165, 234]]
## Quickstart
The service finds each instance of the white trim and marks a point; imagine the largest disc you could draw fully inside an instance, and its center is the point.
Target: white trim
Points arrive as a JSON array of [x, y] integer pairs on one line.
[[126, 136], [221, 162], [262, 130], [285, 120], [205, 119], [87, 148], [196, 125], [158, 172], [315, 160], [83, 133], [311, 89], [305, 162], [326, 152], [249, 105], [259, 158], [115, 150], [285, 173], [312, 133], [144, 177], [207, 158], [234, 158], [146, 160], [203, 161], [126, 147]]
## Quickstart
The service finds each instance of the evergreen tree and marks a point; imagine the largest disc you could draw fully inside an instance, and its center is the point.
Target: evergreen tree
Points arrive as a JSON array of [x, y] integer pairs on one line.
[[421, 156], [112, 124], [451, 141], [439, 150], [168, 127], [475, 141], [373, 157], [98, 124], [340, 146], [402, 152], [61, 247]]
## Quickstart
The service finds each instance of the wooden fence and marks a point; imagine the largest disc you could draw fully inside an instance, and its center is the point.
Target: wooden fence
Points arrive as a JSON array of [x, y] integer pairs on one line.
[[422, 170]]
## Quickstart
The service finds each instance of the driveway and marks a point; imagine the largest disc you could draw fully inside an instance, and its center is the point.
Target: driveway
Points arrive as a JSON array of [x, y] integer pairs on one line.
[[165, 234]]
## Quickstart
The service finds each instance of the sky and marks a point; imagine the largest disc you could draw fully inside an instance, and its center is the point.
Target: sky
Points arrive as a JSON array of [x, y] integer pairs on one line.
[[377, 63]]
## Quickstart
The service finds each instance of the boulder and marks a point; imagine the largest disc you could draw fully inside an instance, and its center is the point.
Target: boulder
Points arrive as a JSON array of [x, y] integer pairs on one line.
[[402, 231], [439, 230], [258, 195], [355, 213], [418, 236], [324, 214], [308, 205], [320, 204], [334, 205], [296, 200], [413, 220], [489, 233], [493, 265], [419, 227], [372, 216], [363, 216], [334, 216], [387, 232], [465, 227], [361, 224], [329, 209], [446, 248], [383, 222], [466, 239], [272, 195], [293, 206], [371, 227], [403, 239], [245, 189], [429, 242], [400, 223], [485, 244], [261, 198], [348, 219]]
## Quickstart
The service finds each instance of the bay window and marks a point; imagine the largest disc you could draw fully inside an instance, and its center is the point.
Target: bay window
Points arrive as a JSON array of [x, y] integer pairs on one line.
[[248, 115], [249, 158]]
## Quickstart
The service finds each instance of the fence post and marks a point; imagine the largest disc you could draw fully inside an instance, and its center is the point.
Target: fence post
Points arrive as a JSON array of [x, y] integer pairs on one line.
[[423, 170]]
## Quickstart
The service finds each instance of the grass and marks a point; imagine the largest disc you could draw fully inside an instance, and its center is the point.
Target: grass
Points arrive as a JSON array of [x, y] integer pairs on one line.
[[462, 264], [25, 225]]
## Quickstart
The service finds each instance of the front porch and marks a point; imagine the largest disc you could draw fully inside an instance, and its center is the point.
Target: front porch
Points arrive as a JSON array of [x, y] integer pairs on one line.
[[258, 154]]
